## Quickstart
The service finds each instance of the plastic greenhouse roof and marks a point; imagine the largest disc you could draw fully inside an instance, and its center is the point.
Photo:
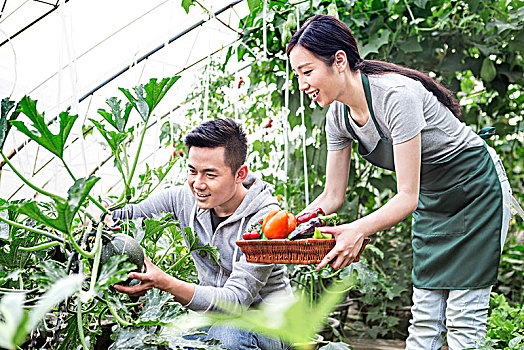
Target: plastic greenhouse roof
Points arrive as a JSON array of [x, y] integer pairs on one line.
[[80, 46]]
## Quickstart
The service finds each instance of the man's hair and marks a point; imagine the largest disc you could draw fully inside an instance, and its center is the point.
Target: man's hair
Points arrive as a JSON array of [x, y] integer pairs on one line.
[[221, 133]]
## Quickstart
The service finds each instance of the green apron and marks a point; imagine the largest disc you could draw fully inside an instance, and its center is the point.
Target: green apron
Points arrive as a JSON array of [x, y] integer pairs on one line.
[[456, 227]]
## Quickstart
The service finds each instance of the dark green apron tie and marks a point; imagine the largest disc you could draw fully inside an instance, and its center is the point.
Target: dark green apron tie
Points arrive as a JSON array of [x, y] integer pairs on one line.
[[486, 133]]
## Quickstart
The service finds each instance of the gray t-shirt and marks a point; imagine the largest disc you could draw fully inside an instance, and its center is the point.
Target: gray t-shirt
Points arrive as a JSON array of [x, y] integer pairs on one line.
[[403, 108]]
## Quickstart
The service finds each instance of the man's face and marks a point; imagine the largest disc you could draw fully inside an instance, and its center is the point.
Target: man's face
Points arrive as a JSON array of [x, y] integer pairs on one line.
[[210, 179]]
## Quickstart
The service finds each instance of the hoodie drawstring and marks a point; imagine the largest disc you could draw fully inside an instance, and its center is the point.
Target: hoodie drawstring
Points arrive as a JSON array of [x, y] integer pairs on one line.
[[239, 235]]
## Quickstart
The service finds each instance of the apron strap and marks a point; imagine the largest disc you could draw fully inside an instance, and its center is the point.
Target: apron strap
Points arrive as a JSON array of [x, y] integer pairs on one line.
[[348, 125], [367, 92]]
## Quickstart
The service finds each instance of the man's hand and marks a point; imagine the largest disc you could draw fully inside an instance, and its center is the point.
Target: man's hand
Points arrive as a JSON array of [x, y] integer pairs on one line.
[[156, 278], [153, 277]]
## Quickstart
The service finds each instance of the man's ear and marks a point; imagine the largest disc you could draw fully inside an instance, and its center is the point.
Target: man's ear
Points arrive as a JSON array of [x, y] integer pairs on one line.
[[241, 174]]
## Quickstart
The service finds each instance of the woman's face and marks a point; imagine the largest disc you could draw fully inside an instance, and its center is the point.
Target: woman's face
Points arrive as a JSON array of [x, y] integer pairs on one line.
[[315, 78]]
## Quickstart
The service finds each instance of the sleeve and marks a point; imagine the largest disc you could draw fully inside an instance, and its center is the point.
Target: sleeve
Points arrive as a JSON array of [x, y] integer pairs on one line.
[[336, 133], [168, 201], [404, 113], [242, 286]]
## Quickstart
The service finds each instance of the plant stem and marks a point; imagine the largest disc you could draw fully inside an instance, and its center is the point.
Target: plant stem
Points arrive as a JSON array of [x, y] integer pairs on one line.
[[80, 324], [32, 229], [79, 249], [98, 253], [118, 318], [37, 189], [138, 150], [159, 261], [39, 247], [95, 202], [178, 262]]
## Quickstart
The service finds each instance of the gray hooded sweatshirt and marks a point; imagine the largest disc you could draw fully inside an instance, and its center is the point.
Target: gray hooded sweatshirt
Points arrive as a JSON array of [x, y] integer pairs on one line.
[[234, 281]]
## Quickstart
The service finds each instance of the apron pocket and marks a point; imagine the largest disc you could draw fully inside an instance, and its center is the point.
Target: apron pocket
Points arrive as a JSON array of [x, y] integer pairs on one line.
[[441, 213]]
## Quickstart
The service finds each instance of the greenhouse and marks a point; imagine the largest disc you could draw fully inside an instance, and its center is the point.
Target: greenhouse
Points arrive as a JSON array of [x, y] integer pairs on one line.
[[182, 174]]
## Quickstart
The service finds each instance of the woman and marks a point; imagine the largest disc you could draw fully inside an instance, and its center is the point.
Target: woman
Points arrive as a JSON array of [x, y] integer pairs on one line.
[[406, 122]]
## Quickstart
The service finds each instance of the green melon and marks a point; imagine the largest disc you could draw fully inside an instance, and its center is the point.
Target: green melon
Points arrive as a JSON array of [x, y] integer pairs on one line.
[[121, 244]]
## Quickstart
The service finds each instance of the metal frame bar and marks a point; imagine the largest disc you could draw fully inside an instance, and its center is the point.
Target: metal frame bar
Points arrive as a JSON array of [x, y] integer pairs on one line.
[[3, 8], [30, 24], [19, 148]]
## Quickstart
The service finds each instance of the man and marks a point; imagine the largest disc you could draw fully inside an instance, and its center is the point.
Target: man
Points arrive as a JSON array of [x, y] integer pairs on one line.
[[218, 203]]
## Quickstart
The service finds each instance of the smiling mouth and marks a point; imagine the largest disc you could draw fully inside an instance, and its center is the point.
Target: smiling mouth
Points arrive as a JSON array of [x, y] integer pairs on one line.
[[201, 196], [315, 95]]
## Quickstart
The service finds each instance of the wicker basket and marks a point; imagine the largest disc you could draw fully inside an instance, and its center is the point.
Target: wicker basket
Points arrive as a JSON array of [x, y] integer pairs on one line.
[[284, 251]]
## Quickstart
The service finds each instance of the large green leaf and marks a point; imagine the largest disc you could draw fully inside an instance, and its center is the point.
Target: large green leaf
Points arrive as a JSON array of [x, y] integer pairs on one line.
[[49, 273], [114, 271], [203, 250], [65, 210], [254, 5], [134, 338], [115, 117], [6, 106], [149, 95], [154, 227], [376, 41], [186, 4], [113, 139], [173, 339], [42, 135], [159, 309]]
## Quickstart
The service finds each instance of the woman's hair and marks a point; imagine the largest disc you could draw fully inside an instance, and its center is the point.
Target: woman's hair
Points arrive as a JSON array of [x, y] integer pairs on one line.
[[325, 35], [221, 133]]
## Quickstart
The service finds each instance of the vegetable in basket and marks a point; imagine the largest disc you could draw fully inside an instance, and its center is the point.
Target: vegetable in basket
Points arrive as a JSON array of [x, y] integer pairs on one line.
[[320, 235], [309, 227], [254, 232], [278, 224], [308, 215]]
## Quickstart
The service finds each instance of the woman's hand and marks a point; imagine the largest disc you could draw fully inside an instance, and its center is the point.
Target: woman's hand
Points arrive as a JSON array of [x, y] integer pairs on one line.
[[153, 277], [349, 241]]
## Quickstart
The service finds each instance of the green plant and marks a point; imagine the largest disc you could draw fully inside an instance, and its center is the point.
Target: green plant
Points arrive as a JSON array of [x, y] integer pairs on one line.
[[473, 47], [505, 327], [53, 257]]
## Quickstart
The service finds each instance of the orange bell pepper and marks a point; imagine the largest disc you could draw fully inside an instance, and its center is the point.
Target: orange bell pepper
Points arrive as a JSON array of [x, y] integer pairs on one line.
[[278, 224]]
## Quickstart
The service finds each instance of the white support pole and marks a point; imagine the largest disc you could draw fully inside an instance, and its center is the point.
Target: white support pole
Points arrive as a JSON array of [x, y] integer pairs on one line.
[[285, 126], [304, 152], [206, 89], [264, 33]]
